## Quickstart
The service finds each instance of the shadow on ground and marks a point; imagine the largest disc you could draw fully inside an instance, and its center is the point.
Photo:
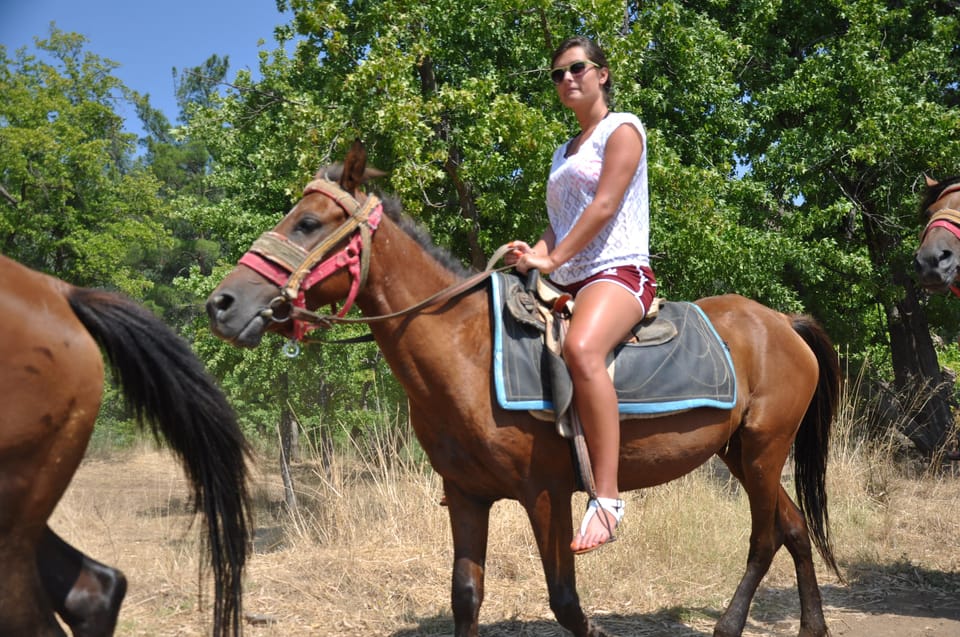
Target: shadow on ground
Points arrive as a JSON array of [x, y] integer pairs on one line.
[[899, 588], [656, 624]]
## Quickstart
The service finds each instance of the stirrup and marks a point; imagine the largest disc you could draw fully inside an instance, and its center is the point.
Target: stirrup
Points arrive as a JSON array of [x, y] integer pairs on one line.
[[613, 506]]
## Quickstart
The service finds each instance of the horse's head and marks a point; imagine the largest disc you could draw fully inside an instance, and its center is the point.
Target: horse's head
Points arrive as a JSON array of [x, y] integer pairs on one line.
[[317, 254], [937, 260]]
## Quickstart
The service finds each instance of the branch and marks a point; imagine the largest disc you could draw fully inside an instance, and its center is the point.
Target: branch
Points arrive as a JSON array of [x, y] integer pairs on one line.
[[6, 195]]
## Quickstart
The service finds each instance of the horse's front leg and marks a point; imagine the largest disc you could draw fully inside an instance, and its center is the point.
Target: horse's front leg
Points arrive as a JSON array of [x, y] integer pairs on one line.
[[470, 522], [550, 517]]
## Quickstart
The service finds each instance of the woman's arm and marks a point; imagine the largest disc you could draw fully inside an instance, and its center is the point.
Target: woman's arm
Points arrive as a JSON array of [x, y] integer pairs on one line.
[[521, 248], [620, 160]]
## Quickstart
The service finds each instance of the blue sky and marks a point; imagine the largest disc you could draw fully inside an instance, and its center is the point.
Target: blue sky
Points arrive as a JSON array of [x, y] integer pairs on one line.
[[148, 39]]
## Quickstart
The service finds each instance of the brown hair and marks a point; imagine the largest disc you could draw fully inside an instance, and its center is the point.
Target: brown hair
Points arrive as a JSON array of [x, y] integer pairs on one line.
[[594, 54]]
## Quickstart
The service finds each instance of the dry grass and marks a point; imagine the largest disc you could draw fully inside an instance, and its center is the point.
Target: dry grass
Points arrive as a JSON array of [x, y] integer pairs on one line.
[[369, 551]]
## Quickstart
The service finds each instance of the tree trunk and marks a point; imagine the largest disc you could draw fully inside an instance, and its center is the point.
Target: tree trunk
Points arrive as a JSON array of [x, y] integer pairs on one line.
[[465, 197], [917, 372], [918, 380], [288, 442], [468, 208]]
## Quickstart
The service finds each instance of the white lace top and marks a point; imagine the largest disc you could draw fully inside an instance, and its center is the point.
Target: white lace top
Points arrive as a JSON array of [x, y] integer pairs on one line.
[[570, 189]]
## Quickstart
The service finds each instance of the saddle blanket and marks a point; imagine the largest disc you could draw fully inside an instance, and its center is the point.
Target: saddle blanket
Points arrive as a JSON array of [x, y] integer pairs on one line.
[[692, 369]]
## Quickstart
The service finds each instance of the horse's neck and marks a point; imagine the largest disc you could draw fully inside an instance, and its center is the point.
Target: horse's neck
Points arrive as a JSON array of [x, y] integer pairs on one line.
[[419, 345], [402, 273]]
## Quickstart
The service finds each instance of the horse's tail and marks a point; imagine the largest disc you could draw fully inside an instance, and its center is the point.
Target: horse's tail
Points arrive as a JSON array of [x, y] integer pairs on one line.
[[812, 444], [168, 388]]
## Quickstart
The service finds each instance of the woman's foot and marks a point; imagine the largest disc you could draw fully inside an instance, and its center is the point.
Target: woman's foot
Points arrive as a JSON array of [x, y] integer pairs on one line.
[[601, 519]]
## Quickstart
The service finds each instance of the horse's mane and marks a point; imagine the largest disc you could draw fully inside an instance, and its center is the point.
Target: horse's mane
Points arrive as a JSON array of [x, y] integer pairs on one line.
[[933, 192], [394, 210]]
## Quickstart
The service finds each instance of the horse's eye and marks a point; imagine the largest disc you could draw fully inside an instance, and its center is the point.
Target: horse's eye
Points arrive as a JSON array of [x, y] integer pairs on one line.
[[307, 225]]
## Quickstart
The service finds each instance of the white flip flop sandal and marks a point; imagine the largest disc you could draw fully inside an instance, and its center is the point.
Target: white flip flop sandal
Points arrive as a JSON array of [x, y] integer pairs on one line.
[[613, 506]]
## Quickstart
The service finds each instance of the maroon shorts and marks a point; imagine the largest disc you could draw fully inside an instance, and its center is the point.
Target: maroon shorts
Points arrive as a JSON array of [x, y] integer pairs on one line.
[[639, 281]]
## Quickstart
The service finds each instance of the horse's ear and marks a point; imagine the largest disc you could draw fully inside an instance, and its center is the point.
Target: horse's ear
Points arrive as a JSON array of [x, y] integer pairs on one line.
[[353, 166], [930, 182], [355, 169], [373, 173]]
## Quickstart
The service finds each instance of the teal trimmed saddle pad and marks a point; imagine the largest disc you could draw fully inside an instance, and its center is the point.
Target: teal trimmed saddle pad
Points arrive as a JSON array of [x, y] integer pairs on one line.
[[685, 370]]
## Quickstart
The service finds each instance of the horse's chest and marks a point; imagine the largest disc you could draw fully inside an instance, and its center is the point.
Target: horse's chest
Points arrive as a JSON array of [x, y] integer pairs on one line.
[[457, 450]]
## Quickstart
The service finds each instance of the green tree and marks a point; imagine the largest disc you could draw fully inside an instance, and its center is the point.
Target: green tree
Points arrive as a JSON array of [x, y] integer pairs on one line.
[[181, 164], [71, 201], [850, 103], [786, 140]]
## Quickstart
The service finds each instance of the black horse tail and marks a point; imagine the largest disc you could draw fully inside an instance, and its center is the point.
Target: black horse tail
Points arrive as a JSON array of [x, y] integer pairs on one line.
[[168, 388], [811, 447]]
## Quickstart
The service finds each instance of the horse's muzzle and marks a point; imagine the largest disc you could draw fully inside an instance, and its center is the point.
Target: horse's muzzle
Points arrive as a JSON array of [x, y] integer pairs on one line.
[[243, 329]]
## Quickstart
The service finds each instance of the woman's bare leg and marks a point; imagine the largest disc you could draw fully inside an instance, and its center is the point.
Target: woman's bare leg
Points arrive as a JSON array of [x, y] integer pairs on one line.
[[604, 314]]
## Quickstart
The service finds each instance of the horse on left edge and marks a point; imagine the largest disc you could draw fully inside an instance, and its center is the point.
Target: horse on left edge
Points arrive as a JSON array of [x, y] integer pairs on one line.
[[52, 375]]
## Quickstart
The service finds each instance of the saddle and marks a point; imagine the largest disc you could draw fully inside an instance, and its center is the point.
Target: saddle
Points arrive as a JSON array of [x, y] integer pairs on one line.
[[672, 361], [540, 305]]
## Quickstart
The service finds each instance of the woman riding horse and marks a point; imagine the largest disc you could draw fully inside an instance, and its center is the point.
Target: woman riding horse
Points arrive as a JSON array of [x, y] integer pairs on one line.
[[341, 243]]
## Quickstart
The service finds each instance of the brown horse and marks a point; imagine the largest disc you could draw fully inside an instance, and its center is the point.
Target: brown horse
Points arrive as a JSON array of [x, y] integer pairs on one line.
[[937, 260], [52, 374], [787, 375]]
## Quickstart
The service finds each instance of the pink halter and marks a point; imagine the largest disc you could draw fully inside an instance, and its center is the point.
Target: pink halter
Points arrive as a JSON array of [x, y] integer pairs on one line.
[[295, 270]]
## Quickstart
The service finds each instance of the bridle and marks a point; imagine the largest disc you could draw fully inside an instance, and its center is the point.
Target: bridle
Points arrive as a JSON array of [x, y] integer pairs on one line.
[[946, 218], [295, 270]]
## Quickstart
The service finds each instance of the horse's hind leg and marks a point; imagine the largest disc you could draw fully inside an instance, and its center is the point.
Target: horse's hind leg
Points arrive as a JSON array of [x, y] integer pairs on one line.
[[797, 540], [85, 593], [766, 537], [772, 527], [24, 608]]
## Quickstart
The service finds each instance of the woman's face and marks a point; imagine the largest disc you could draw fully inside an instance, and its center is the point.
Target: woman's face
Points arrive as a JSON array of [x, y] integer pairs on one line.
[[583, 87]]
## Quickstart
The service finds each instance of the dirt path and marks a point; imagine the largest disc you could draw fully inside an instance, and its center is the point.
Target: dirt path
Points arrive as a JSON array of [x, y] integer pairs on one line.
[[897, 614], [900, 613], [883, 602], [887, 625], [131, 512]]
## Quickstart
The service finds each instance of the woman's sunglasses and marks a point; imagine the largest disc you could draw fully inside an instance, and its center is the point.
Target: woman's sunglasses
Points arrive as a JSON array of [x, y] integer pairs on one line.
[[576, 69]]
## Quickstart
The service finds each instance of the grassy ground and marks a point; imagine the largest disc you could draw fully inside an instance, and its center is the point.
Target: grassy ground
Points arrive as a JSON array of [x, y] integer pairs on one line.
[[369, 552]]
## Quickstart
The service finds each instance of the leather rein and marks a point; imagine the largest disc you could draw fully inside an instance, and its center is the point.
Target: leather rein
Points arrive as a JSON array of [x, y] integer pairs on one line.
[[948, 219], [295, 270]]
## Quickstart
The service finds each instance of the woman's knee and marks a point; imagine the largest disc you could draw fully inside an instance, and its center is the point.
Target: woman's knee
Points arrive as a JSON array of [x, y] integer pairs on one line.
[[582, 357]]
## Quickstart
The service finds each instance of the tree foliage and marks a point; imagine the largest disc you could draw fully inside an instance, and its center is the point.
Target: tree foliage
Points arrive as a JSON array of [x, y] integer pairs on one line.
[[850, 103], [787, 142], [72, 201], [786, 138]]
